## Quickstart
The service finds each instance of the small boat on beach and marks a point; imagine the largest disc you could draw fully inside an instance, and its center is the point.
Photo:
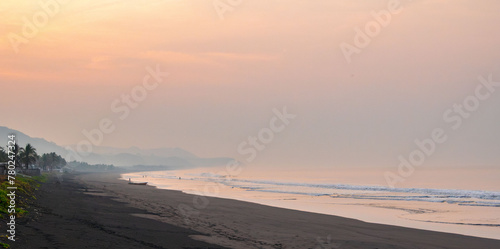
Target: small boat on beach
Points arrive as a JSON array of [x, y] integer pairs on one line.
[[136, 183]]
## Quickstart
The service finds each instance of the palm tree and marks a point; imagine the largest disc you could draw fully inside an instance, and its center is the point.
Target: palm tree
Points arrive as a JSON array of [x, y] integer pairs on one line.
[[4, 158], [15, 154], [51, 161], [28, 155], [3, 155]]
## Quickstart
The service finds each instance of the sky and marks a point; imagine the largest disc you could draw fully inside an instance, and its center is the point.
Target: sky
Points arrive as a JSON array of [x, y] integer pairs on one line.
[[233, 64]]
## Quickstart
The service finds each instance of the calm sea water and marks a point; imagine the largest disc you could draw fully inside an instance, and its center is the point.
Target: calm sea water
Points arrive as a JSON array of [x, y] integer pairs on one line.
[[460, 201]]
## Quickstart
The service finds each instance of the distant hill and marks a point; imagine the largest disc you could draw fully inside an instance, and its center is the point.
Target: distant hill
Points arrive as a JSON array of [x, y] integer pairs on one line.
[[119, 156], [41, 145]]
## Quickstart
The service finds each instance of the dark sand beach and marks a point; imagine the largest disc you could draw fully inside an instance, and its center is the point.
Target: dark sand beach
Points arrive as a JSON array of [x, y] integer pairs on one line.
[[96, 210], [69, 214]]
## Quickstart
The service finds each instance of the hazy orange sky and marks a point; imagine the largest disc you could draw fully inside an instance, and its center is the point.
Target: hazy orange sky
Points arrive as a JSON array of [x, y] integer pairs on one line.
[[227, 75]]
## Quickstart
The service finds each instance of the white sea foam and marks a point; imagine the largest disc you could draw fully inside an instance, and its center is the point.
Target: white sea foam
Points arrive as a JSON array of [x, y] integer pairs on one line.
[[450, 196]]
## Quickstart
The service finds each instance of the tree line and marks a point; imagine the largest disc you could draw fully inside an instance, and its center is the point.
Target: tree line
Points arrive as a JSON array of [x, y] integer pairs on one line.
[[27, 157]]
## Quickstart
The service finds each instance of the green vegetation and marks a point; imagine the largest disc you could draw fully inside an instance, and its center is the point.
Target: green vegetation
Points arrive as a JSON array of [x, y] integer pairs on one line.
[[25, 193], [26, 159], [41, 178], [28, 155], [3, 155], [49, 161]]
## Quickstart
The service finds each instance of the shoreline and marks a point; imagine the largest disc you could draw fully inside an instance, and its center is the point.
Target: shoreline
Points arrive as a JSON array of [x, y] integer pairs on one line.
[[240, 224], [410, 214]]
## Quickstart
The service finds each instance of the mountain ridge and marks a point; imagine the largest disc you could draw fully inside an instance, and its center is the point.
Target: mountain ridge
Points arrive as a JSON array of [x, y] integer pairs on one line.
[[130, 156]]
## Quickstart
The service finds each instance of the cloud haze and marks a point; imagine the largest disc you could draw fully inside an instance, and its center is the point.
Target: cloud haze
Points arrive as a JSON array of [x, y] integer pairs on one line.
[[226, 76]]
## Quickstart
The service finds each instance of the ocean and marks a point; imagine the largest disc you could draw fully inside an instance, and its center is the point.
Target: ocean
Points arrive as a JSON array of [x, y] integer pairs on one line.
[[463, 201]]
